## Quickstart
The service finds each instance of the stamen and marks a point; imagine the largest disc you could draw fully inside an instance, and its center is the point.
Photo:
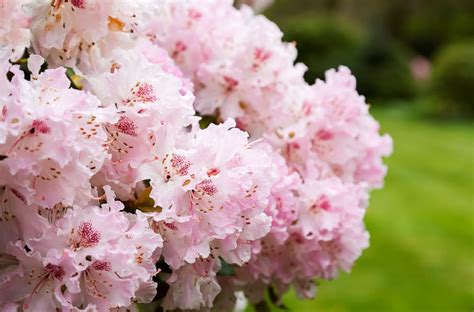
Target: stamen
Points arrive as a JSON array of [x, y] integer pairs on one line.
[[40, 127], [231, 83], [262, 55], [88, 236], [18, 195], [126, 126], [179, 47], [56, 271], [79, 3], [180, 164], [102, 266], [324, 135], [144, 93], [207, 187], [212, 172], [194, 14], [321, 204]]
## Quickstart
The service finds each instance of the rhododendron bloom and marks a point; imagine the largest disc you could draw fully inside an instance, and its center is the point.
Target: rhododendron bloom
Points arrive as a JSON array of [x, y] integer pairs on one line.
[[91, 256], [328, 228], [51, 136], [172, 151], [150, 104], [212, 196], [70, 32], [193, 286], [14, 33]]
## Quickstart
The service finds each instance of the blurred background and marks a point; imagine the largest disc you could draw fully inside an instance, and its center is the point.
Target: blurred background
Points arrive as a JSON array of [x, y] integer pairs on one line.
[[414, 61]]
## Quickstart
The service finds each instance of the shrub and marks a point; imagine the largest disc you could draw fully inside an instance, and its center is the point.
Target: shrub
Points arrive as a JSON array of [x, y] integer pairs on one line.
[[382, 68], [453, 79], [323, 42], [425, 34]]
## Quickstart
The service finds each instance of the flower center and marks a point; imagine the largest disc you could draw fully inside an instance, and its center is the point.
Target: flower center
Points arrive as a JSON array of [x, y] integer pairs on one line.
[[87, 236], [102, 266], [180, 164], [56, 271], [79, 3], [126, 126]]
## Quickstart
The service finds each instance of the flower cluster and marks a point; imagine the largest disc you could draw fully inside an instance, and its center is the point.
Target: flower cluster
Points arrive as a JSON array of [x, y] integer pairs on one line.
[[14, 33], [115, 189]]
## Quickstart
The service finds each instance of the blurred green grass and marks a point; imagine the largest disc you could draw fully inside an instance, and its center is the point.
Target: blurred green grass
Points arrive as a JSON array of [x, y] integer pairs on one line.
[[421, 256]]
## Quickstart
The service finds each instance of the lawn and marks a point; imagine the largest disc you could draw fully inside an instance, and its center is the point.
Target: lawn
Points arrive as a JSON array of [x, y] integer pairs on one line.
[[421, 256]]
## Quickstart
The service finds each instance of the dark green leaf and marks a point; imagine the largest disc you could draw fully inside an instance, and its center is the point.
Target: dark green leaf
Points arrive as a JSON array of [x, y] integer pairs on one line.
[[206, 120], [226, 269]]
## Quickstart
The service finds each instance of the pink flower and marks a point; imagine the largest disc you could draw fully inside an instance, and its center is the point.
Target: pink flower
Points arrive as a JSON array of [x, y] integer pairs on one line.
[[93, 256], [52, 136], [328, 235], [335, 135], [193, 286], [41, 278], [277, 191], [242, 69], [14, 33], [213, 196], [72, 32], [283, 202], [149, 106]]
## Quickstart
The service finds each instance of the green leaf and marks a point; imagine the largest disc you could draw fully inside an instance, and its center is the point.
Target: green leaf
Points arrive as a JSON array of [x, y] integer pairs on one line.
[[142, 202], [70, 72], [206, 120], [76, 80], [226, 269]]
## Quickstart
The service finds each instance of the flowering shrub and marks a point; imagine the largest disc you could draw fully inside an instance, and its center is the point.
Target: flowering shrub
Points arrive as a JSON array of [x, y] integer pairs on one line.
[[171, 151]]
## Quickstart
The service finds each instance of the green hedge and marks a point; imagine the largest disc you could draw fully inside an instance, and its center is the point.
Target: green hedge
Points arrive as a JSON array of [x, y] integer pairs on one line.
[[383, 70], [324, 42], [453, 79]]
